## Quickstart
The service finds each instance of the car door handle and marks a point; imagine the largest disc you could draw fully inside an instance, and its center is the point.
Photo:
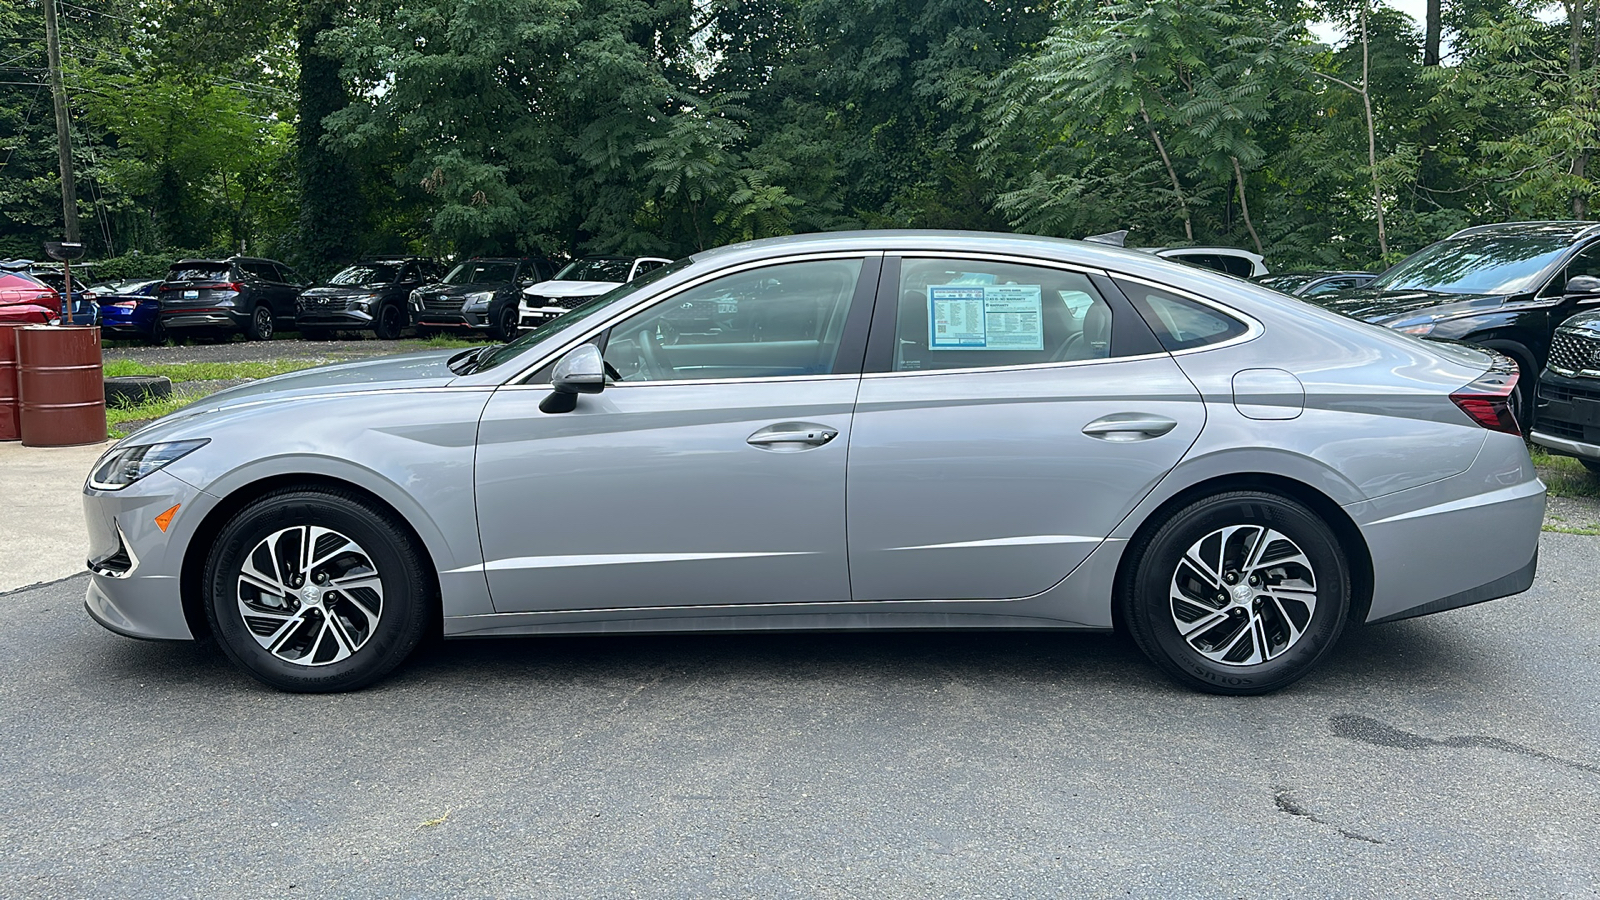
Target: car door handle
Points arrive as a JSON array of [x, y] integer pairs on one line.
[[792, 436], [1129, 427]]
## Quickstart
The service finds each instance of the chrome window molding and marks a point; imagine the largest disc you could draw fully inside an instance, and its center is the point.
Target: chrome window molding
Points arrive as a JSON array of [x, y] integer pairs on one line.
[[1253, 326]]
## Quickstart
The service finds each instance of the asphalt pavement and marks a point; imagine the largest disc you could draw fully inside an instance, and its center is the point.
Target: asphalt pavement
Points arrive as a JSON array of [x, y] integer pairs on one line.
[[1456, 755]]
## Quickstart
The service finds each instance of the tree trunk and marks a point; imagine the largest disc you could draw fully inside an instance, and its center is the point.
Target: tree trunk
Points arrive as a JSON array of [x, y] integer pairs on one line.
[[1244, 206], [1433, 33], [1372, 135], [331, 211], [1580, 158], [1188, 228]]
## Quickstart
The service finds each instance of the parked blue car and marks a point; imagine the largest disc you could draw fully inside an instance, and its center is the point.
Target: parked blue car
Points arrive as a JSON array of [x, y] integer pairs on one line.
[[130, 309]]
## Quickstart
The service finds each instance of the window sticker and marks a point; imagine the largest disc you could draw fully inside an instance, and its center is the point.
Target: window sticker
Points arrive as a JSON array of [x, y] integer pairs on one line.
[[985, 317]]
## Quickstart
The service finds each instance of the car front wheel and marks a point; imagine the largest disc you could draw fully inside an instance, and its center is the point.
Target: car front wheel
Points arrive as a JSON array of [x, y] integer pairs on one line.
[[316, 591], [391, 321], [506, 324], [1238, 593]]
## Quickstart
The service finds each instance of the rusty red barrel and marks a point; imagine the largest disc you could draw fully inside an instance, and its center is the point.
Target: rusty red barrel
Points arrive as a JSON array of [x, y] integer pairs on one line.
[[63, 386], [10, 430]]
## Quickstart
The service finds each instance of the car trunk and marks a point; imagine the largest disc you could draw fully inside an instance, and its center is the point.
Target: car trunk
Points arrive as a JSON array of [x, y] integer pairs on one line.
[[198, 286]]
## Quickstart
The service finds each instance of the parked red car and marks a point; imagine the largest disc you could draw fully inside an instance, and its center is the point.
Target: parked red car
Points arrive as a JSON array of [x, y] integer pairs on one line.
[[27, 300]]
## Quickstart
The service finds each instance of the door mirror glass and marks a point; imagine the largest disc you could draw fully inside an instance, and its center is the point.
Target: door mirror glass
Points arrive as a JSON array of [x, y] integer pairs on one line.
[[1582, 284], [581, 371]]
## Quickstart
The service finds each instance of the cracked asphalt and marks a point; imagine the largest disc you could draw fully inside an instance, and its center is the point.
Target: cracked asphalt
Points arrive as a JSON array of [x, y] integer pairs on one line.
[[1456, 755]]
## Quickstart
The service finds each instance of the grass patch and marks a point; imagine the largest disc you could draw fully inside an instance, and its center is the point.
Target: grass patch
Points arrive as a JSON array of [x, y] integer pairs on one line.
[[208, 371], [1564, 476], [118, 416], [443, 342]]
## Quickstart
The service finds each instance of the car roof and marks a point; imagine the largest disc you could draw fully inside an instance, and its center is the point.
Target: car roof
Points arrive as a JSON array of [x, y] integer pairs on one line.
[[1572, 229]]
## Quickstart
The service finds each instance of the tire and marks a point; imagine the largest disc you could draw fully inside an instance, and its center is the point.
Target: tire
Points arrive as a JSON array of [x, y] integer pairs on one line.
[[296, 638], [506, 324], [158, 332], [390, 322], [131, 390], [261, 324], [1592, 465], [1225, 657]]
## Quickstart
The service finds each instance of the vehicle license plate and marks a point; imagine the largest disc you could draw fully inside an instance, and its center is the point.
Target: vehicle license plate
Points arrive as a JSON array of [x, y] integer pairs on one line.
[[191, 295]]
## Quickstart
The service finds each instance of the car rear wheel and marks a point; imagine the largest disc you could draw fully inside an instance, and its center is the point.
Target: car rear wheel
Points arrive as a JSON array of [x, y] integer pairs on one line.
[[316, 591], [260, 324], [391, 321], [1238, 593]]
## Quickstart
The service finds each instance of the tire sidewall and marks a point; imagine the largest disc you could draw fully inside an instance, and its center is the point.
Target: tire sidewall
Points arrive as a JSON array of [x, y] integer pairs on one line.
[[261, 324], [404, 603], [1151, 614], [385, 328]]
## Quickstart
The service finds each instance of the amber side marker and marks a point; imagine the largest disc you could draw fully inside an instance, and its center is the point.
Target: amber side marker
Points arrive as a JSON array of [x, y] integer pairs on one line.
[[165, 519]]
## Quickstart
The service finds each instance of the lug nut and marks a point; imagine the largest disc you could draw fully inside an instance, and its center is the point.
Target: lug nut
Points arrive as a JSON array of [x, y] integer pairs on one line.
[[1255, 580], [1231, 577]]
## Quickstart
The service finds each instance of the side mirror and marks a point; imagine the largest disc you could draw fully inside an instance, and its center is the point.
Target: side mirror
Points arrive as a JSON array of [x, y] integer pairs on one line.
[[581, 371], [1582, 284]]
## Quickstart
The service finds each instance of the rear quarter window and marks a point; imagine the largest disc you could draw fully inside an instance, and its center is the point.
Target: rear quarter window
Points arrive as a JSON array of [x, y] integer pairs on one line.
[[1181, 323]]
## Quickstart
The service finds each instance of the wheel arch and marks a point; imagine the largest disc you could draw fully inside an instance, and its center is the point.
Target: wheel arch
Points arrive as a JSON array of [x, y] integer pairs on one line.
[[1344, 528], [191, 590]]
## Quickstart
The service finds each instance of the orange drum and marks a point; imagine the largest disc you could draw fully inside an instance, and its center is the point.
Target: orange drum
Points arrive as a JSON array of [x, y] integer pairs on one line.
[[62, 385]]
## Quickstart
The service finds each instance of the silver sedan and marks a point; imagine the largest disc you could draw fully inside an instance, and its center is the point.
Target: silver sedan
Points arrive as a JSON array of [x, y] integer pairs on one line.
[[842, 431]]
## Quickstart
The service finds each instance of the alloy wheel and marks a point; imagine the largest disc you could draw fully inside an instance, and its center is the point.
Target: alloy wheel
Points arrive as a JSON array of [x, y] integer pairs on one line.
[[1243, 595], [310, 595]]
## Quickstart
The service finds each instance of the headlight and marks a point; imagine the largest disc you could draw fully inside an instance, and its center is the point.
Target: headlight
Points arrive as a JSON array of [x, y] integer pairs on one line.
[[416, 299], [1421, 329], [480, 300], [125, 465]]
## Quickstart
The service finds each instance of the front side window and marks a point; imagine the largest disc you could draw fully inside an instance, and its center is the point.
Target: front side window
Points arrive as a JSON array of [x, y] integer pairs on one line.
[[781, 320], [962, 314]]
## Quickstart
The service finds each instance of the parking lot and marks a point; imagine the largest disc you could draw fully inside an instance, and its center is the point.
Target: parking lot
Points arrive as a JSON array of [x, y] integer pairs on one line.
[[1452, 755], [1456, 754]]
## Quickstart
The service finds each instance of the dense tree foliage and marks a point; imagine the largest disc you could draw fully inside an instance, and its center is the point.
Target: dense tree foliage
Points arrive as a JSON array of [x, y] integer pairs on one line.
[[319, 130]]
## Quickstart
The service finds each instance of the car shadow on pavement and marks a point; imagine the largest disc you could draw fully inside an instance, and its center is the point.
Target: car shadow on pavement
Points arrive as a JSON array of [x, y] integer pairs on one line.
[[1394, 656]]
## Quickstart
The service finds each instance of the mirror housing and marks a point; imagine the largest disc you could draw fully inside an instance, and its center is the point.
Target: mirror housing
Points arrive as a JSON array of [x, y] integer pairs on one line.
[[1581, 285], [581, 371]]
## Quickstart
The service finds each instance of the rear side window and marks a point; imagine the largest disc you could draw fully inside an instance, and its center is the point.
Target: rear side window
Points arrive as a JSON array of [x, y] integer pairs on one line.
[[1181, 323], [973, 314]]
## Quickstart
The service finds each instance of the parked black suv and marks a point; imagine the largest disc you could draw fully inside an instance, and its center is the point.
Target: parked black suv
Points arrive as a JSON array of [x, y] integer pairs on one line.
[[372, 294], [1504, 287], [478, 294], [1568, 417], [242, 293]]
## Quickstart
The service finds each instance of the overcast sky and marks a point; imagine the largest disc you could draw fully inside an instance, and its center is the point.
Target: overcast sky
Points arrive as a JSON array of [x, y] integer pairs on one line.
[[1416, 9]]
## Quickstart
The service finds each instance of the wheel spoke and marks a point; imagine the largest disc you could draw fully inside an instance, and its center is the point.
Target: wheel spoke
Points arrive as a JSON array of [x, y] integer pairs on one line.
[[1190, 632], [254, 578], [1213, 575]]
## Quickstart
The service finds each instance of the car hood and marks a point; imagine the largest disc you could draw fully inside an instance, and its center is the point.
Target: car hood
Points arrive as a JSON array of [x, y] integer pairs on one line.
[[571, 288], [461, 290], [342, 290], [1383, 307], [408, 372]]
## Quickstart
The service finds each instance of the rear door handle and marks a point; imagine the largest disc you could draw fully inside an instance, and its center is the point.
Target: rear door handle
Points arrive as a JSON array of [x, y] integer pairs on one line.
[[1129, 427], [792, 436]]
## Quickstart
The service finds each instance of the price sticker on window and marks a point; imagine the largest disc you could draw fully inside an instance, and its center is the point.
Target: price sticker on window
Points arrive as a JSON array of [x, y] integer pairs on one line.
[[985, 317]]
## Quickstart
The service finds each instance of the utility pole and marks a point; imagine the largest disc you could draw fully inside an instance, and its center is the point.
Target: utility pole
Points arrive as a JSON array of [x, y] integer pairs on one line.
[[58, 91]]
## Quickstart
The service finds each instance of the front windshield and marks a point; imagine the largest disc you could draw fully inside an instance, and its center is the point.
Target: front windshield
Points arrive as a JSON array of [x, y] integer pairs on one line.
[[1285, 282], [595, 269], [367, 273], [1477, 264], [477, 271], [506, 352]]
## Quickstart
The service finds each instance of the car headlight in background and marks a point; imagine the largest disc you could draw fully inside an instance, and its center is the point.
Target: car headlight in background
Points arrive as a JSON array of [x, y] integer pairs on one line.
[[1420, 329], [125, 465], [479, 301]]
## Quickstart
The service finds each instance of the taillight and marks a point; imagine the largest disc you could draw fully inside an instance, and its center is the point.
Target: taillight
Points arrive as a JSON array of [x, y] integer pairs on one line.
[[221, 286], [1488, 400]]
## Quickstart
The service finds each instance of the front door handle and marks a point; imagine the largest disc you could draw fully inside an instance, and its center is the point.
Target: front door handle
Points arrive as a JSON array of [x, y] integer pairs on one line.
[[1129, 427], [792, 436]]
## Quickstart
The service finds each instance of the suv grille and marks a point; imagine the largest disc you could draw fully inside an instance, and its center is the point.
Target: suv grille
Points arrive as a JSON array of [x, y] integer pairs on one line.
[[436, 303], [1573, 353], [567, 303], [326, 302], [1562, 394]]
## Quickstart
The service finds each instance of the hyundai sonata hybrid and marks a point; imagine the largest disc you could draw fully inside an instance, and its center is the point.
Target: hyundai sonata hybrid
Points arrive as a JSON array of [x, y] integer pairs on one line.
[[901, 430]]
